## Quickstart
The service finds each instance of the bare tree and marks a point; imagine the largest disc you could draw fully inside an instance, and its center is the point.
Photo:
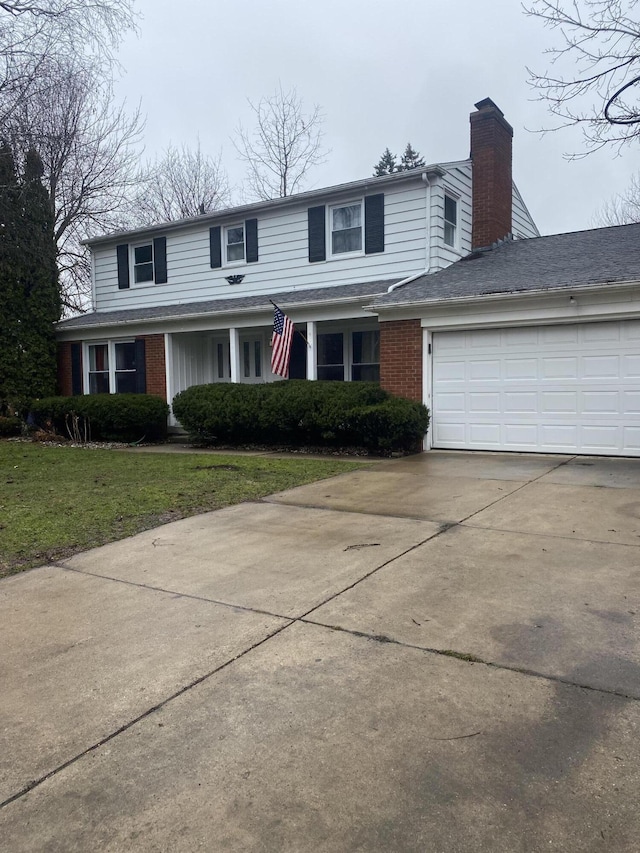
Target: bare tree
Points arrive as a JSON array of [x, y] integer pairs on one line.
[[90, 153], [34, 36], [185, 182], [284, 145], [623, 208], [599, 91]]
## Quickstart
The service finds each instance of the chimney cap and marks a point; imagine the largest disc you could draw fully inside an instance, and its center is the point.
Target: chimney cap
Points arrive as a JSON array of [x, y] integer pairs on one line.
[[488, 104]]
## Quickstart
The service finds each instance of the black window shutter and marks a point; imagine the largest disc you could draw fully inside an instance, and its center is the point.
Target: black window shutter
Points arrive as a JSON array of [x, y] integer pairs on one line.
[[76, 369], [141, 367], [160, 260], [251, 236], [317, 238], [122, 253], [374, 223], [215, 249]]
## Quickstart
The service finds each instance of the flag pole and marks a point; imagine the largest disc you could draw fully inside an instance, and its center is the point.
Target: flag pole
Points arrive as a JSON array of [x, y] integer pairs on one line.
[[297, 331]]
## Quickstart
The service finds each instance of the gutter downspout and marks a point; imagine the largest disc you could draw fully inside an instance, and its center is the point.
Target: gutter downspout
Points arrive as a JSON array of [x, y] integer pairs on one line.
[[427, 238]]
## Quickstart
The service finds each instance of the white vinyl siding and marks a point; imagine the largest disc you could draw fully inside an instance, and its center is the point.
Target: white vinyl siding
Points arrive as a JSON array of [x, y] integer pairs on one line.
[[571, 388], [283, 248]]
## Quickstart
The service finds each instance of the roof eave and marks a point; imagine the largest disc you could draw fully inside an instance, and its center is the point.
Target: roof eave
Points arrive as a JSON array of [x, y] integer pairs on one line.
[[231, 212]]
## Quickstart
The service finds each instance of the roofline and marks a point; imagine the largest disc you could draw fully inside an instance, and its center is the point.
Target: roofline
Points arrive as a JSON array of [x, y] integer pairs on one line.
[[456, 300], [230, 212], [203, 314]]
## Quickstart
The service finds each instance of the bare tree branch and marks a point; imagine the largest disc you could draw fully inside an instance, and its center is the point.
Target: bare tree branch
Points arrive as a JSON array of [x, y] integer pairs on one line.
[[621, 209], [185, 182], [284, 145], [597, 87], [90, 152]]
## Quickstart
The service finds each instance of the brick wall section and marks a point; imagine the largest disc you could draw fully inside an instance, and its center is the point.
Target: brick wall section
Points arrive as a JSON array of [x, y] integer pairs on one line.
[[155, 365], [491, 153], [65, 387], [401, 358]]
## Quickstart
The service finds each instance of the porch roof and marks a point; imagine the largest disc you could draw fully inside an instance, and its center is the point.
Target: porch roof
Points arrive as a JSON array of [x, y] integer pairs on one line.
[[262, 302]]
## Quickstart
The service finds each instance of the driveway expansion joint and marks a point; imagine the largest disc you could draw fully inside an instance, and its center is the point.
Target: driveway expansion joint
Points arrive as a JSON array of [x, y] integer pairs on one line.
[[467, 657]]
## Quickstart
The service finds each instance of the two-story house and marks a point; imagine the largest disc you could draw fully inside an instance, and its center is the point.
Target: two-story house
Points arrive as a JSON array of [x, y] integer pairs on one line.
[[190, 302]]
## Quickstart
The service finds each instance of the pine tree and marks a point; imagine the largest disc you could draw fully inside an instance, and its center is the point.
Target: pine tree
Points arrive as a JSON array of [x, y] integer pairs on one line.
[[40, 288], [411, 159], [386, 165], [10, 302], [28, 285]]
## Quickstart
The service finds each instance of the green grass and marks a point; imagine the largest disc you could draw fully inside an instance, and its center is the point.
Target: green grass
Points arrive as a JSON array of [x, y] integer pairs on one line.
[[55, 501]]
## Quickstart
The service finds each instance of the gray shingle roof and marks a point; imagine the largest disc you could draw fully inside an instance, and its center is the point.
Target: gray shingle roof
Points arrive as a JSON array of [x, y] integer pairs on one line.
[[599, 256], [288, 299]]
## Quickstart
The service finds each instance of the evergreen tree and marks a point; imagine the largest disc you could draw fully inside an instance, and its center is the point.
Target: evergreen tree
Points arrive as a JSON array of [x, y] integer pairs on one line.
[[386, 165], [10, 303], [411, 159], [28, 285], [40, 288]]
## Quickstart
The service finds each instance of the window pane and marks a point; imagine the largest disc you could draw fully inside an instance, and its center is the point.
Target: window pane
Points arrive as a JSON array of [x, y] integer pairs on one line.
[[330, 349], [236, 252], [365, 373], [257, 354], [347, 217], [98, 357], [331, 373], [449, 234], [143, 254], [98, 383], [235, 235], [126, 356], [366, 347], [450, 209], [143, 272], [346, 241], [126, 383], [220, 361], [245, 358]]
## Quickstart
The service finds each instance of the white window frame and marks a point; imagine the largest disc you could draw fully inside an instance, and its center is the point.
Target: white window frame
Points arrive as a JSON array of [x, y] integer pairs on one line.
[[243, 259], [355, 252], [347, 329], [456, 225], [111, 358], [251, 339], [132, 263]]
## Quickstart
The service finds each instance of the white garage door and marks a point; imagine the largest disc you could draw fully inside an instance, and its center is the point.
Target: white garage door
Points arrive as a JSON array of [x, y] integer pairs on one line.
[[552, 389]]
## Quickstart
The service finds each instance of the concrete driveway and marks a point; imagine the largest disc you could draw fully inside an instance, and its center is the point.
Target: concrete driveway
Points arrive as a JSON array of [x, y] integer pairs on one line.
[[438, 653]]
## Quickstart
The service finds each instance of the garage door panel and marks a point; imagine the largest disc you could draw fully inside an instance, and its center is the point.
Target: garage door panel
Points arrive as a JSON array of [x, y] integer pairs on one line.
[[600, 366], [565, 367], [553, 389]]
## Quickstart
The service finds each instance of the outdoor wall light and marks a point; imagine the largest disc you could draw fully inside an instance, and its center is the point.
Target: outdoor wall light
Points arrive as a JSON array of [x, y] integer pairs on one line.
[[572, 300], [235, 279]]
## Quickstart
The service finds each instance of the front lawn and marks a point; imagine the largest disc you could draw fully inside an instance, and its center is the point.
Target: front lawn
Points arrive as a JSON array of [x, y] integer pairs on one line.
[[55, 501]]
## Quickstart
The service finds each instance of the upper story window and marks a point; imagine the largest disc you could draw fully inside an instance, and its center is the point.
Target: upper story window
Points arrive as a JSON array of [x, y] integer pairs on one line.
[[143, 263], [346, 228], [450, 220], [235, 243]]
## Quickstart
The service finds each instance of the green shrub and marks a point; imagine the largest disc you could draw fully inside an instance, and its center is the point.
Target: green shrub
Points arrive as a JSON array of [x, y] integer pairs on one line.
[[302, 413], [105, 417], [10, 426]]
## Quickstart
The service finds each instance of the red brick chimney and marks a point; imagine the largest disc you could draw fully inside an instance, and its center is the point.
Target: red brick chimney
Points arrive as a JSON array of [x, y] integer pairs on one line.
[[491, 144]]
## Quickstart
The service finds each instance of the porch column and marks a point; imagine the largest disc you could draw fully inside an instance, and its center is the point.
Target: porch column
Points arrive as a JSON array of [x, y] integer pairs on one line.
[[234, 354], [312, 350]]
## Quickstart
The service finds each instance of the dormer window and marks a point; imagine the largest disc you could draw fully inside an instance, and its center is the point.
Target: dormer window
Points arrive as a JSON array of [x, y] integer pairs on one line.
[[235, 244], [450, 220]]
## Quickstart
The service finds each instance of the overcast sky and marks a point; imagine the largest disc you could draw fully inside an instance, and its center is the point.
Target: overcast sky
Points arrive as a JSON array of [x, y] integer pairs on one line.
[[383, 74]]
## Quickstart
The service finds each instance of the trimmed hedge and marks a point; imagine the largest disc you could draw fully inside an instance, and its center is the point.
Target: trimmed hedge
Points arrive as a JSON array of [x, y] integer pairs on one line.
[[107, 417], [300, 413], [10, 426]]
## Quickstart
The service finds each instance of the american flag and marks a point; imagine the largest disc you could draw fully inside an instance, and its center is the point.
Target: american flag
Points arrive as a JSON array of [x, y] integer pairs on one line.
[[281, 343]]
